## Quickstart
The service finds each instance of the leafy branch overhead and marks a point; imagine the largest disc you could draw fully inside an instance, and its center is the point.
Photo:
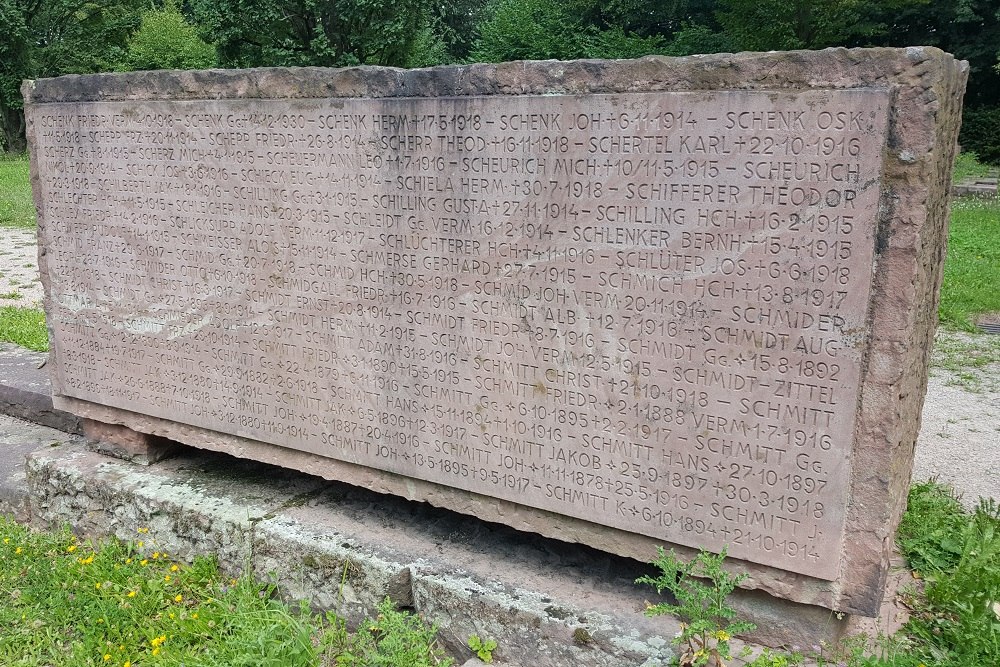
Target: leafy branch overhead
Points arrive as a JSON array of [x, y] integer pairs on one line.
[[45, 38]]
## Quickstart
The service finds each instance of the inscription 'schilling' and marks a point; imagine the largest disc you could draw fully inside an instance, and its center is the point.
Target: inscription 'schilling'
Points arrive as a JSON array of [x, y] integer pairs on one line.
[[644, 310]]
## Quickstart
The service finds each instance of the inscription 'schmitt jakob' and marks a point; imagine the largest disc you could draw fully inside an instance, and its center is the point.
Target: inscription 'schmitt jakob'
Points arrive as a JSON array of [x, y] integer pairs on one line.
[[653, 312]]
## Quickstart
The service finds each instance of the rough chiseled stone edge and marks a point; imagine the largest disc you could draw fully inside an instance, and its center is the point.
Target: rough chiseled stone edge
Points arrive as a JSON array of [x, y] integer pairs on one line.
[[927, 86]]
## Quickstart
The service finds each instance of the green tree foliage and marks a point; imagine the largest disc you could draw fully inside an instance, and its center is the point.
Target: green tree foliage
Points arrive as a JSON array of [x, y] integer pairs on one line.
[[14, 50], [251, 33], [43, 38], [763, 25], [546, 29], [529, 30], [698, 38], [969, 29], [165, 40]]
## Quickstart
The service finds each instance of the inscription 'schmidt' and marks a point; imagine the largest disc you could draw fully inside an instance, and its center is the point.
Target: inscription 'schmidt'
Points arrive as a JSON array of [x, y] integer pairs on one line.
[[643, 310]]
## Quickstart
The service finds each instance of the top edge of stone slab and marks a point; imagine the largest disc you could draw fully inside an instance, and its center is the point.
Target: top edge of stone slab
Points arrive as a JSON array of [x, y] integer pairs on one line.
[[830, 68]]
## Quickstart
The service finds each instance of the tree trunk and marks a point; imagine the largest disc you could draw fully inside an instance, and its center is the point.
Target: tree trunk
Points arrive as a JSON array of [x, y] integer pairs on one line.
[[12, 121]]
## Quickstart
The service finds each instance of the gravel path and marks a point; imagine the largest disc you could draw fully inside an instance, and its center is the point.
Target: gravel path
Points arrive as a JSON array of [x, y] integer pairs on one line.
[[959, 439], [19, 283]]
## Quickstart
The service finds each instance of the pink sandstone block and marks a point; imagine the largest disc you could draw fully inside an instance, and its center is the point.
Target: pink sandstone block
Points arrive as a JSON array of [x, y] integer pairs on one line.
[[623, 303]]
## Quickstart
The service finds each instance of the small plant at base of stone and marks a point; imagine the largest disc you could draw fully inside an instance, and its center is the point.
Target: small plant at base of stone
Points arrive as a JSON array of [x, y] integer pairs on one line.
[[700, 587], [484, 649], [767, 658]]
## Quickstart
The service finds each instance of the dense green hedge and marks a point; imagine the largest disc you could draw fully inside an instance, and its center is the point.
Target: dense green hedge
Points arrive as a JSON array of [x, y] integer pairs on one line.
[[981, 133]]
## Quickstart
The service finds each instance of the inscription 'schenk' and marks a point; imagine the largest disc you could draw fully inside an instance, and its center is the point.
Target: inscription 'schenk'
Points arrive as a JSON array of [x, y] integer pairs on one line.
[[645, 310]]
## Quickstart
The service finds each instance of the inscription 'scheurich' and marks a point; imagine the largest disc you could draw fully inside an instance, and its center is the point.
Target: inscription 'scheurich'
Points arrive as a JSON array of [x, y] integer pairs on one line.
[[645, 310]]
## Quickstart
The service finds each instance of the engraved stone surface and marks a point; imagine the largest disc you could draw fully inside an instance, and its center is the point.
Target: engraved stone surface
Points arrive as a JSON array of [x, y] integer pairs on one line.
[[645, 310], [650, 310]]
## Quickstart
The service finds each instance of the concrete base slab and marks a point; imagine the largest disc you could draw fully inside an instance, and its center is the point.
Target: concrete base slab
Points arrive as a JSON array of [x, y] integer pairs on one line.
[[18, 439], [26, 391], [345, 549]]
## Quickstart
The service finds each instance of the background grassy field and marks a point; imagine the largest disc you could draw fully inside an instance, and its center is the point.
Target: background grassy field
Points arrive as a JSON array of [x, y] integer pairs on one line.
[[972, 269], [16, 206]]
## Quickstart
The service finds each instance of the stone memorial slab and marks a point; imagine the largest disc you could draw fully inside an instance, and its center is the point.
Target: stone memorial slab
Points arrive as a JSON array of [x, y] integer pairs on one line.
[[620, 303]]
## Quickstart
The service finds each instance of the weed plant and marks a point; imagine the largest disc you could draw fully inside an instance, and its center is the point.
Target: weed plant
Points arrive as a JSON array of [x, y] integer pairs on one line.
[[69, 602], [700, 588], [957, 554]]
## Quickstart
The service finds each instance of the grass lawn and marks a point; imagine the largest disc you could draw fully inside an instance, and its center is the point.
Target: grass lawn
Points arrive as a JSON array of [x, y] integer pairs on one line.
[[24, 327], [972, 269], [73, 603], [69, 602], [17, 209], [967, 167]]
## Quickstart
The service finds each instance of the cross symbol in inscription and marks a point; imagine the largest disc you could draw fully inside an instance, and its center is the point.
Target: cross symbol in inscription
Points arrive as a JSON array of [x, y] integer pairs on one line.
[[611, 465], [720, 468]]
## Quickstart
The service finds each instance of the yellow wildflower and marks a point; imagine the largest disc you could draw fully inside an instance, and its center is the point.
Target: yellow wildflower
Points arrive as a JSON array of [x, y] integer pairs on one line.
[[6, 540], [194, 615], [128, 561], [142, 530], [174, 568], [17, 550], [722, 636], [107, 656], [178, 597], [156, 554], [71, 548], [131, 594], [166, 578], [171, 614], [156, 651], [140, 543], [97, 585], [156, 641], [128, 663], [144, 562], [700, 653]]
